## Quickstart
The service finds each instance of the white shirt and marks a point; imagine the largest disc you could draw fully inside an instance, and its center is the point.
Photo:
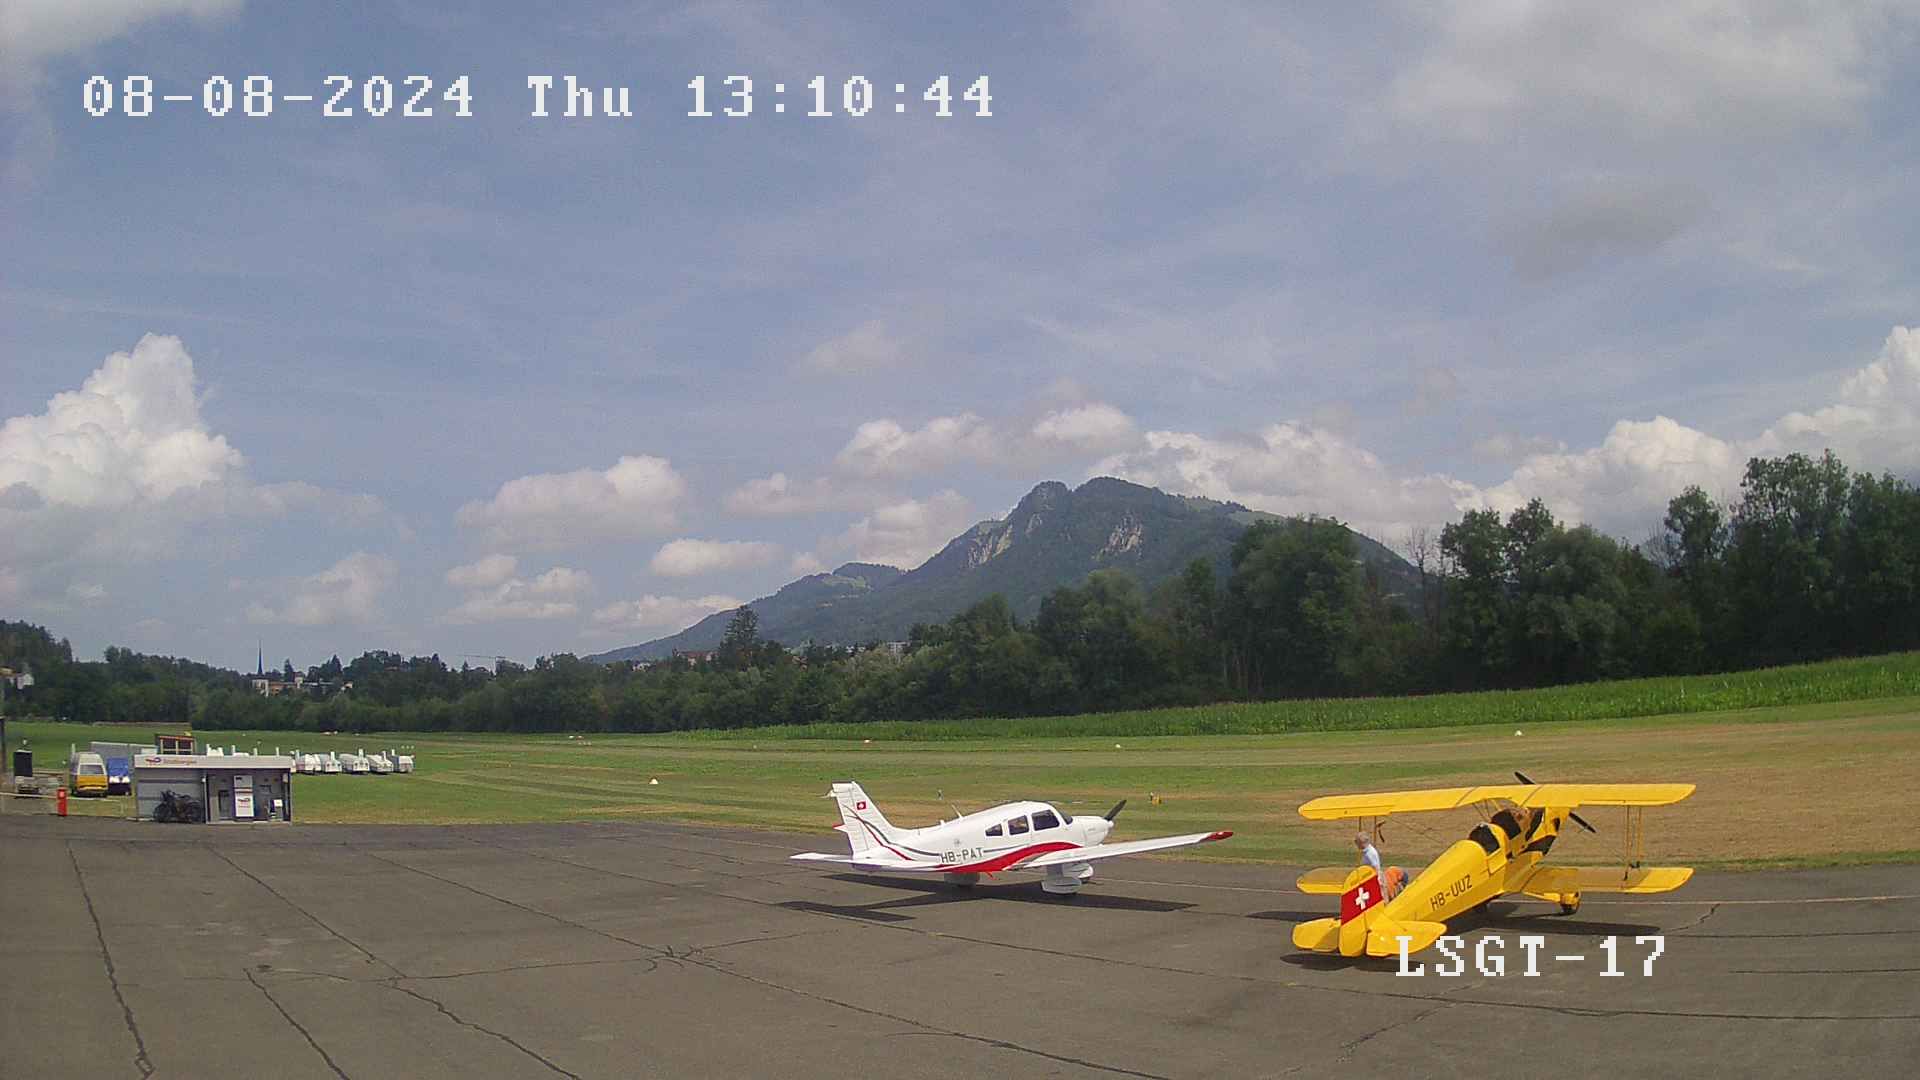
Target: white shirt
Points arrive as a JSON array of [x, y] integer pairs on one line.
[[1371, 856]]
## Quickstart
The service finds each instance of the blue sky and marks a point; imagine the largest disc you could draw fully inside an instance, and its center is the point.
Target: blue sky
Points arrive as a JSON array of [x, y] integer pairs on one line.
[[512, 385]]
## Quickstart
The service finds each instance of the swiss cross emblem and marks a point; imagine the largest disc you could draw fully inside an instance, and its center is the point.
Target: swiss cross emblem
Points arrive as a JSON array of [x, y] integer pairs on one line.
[[861, 805], [1359, 898]]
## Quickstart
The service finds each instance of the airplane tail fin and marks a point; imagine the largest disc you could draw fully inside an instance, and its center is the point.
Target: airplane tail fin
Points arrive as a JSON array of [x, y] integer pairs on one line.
[[868, 830]]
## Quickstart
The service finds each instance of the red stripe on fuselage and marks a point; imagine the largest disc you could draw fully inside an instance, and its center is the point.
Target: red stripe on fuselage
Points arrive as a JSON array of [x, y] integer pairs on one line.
[[1008, 859]]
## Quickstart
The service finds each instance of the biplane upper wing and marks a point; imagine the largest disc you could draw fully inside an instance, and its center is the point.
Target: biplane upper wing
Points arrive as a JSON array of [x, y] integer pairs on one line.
[[1557, 796]]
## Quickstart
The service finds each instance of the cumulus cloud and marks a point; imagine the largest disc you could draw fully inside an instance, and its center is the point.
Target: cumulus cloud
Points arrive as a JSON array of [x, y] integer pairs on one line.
[[1294, 468], [483, 573], [635, 497], [1620, 485], [1094, 428], [866, 348], [1661, 66], [125, 468], [131, 433], [349, 591], [654, 614], [690, 557], [908, 533], [778, 495], [884, 448], [1873, 424], [805, 563], [548, 596]]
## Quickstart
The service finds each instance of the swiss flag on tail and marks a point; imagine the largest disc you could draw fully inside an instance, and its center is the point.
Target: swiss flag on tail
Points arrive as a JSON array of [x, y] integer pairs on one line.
[[1361, 897]]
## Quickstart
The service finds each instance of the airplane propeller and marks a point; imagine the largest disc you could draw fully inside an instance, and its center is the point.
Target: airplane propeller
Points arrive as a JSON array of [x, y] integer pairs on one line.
[[1115, 812], [1578, 820]]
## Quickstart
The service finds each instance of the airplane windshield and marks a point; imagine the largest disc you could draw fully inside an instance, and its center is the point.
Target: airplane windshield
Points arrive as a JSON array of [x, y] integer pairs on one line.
[[1045, 820]]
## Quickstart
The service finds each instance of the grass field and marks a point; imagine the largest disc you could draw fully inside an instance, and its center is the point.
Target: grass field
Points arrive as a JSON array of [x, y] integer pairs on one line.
[[1794, 784]]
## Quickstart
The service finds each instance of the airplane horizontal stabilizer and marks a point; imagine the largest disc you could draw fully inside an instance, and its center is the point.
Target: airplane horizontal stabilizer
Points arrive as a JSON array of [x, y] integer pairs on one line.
[[1326, 880], [1383, 936]]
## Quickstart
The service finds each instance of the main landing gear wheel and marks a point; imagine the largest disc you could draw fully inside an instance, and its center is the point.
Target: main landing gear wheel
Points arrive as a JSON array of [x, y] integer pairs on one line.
[[964, 882], [1568, 907]]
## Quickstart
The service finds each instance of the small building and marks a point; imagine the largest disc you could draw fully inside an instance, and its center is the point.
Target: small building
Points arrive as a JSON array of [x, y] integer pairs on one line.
[[232, 787]]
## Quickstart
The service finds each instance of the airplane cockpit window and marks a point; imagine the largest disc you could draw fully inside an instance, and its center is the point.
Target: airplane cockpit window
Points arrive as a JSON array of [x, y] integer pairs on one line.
[[1488, 840], [1509, 821], [1045, 820], [1016, 826], [995, 831]]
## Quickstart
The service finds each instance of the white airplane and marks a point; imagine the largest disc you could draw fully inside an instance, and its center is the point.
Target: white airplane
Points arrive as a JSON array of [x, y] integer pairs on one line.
[[1011, 836]]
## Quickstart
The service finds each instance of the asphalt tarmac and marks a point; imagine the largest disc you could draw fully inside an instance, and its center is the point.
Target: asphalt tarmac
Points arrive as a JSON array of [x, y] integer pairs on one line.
[[642, 949]]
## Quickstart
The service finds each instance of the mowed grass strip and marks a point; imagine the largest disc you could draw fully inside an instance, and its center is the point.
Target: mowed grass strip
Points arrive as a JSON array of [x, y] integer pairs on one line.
[[1808, 784]]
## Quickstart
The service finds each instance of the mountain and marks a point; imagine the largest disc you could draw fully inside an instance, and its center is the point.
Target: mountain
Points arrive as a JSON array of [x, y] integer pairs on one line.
[[1055, 536]]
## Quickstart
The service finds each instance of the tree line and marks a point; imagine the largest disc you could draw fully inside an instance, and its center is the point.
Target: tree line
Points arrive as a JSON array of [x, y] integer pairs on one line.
[[1810, 561]]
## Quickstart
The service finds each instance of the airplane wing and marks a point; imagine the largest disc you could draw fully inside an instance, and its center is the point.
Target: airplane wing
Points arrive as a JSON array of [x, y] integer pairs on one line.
[[1557, 796], [1129, 847], [1586, 879], [866, 864]]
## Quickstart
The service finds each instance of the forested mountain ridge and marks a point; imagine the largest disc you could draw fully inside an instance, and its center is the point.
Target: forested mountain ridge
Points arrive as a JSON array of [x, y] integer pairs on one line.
[[1055, 536]]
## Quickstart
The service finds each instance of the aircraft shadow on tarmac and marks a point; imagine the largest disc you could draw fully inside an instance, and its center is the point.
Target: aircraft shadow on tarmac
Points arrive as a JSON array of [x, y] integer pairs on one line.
[[930, 893], [1500, 918]]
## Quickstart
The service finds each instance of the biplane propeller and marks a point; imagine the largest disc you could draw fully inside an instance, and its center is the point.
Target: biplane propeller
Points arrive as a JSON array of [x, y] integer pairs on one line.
[[1501, 856]]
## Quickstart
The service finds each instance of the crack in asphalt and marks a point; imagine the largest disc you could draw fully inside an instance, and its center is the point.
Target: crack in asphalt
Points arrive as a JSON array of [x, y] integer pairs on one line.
[[304, 1033], [315, 919], [393, 984], [1703, 918], [140, 1059]]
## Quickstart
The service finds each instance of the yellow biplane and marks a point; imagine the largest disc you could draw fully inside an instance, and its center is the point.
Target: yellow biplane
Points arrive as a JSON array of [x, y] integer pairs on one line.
[[1500, 856]]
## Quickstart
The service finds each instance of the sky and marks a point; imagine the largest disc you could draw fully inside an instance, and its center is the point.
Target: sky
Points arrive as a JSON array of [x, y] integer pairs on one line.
[[503, 384]]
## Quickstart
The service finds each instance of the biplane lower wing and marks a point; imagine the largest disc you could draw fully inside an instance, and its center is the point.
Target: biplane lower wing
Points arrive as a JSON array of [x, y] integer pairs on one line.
[[1557, 796], [1552, 882]]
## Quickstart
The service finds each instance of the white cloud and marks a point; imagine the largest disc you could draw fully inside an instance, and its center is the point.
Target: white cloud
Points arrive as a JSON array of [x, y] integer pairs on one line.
[[908, 533], [1625, 482], [483, 573], [654, 614], [132, 433], [635, 497], [1094, 428], [125, 469], [1294, 468], [1650, 66], [884, 448], [805, 563], [549, 596], [777, 495], [690, 557], [1621, 485], [347, 592], [864, 349]]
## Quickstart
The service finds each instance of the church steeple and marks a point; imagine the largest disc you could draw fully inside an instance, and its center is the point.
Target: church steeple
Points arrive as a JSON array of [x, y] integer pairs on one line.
[[260, 667]]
